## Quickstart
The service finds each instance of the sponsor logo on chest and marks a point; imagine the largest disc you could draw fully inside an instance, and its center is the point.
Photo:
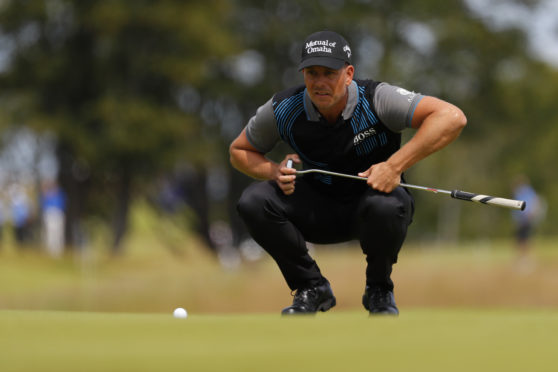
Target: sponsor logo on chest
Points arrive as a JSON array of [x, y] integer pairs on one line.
[[363, 135]]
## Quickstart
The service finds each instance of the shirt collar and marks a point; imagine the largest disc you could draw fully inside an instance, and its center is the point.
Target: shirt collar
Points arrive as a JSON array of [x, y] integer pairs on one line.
[[312, 114]]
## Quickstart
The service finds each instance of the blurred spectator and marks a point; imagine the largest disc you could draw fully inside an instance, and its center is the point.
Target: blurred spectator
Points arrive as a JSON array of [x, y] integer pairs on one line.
[[21, 213], [221, 237], [53, 204], [526, 220], [2, 216]]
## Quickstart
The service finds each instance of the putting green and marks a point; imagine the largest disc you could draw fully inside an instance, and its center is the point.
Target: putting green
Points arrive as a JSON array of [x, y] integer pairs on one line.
[[418, 340]]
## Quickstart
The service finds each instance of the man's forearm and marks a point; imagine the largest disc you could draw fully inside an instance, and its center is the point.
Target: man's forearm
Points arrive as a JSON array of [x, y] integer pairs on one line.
[[253, 164], [248, 160]]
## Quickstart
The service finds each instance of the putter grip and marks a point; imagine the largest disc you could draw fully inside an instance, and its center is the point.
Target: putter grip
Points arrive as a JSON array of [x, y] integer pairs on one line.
[[486, 199], [289, 163]]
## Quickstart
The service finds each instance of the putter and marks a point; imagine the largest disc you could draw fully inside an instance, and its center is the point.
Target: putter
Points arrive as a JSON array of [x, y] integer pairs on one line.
[[456, 194]]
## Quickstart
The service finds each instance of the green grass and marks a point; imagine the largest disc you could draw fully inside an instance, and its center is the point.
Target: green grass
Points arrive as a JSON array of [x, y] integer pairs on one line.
[[418, 340]]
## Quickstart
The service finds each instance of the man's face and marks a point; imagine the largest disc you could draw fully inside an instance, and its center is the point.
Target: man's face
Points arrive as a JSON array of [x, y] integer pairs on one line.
[[327, 87]]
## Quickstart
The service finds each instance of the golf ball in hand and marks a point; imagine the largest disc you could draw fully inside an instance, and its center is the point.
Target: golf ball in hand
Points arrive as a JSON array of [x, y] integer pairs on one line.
[[180, 313]]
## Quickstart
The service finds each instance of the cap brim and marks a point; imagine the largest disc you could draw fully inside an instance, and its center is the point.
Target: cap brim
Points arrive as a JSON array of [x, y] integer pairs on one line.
[[333, 63]]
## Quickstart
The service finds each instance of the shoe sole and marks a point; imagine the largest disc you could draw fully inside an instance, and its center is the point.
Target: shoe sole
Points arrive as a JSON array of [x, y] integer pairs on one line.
[[384, 313]]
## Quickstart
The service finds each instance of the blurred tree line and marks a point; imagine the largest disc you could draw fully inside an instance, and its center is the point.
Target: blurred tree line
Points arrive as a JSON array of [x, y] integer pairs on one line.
[[144, 97]]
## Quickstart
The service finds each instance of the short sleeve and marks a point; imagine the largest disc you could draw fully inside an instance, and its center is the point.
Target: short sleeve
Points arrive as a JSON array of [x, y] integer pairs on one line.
[[395, 106], [261, 129]]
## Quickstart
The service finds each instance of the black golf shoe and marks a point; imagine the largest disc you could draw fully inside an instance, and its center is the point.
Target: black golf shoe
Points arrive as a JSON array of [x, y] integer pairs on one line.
[[379, 301], [310, 300]]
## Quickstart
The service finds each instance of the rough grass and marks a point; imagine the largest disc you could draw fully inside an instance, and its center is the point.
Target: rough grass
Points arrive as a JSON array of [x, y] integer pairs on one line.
[[163, 267]]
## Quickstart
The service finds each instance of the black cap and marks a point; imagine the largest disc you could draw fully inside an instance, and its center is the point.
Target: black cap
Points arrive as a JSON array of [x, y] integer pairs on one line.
[[325, 48]]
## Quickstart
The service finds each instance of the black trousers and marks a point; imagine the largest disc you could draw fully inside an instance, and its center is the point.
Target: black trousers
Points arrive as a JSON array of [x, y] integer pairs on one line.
[[282, 224]]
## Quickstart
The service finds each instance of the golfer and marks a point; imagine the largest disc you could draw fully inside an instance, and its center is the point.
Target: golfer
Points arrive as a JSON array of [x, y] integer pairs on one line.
[[337, 123]]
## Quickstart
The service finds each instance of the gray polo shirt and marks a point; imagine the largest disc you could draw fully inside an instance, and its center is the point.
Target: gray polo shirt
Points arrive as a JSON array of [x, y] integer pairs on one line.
[[394, 105]]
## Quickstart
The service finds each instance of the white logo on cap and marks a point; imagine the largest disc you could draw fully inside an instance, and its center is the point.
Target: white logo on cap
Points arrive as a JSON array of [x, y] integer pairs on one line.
[[320, 46], [347, 50]]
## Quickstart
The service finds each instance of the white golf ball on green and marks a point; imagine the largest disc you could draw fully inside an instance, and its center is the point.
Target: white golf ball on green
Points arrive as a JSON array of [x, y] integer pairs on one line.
[[180, 313]]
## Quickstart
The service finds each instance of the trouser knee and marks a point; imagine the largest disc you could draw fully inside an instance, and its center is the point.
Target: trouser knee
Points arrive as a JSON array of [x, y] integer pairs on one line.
[[386, 213], [251, 203]]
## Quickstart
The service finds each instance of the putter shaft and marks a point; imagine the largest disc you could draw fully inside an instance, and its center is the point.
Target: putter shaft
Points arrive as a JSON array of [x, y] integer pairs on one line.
[[456, 194]]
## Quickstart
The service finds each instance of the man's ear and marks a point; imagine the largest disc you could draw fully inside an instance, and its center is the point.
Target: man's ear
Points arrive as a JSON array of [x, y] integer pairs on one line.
[[350, 71]]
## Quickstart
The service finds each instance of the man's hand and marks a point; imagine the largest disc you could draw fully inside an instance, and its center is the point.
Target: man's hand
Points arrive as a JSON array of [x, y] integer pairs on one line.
[[382, 177], [285, 177]]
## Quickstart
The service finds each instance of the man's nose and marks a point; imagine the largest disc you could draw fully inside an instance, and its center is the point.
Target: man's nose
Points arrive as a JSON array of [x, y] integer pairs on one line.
[[320, 80]]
